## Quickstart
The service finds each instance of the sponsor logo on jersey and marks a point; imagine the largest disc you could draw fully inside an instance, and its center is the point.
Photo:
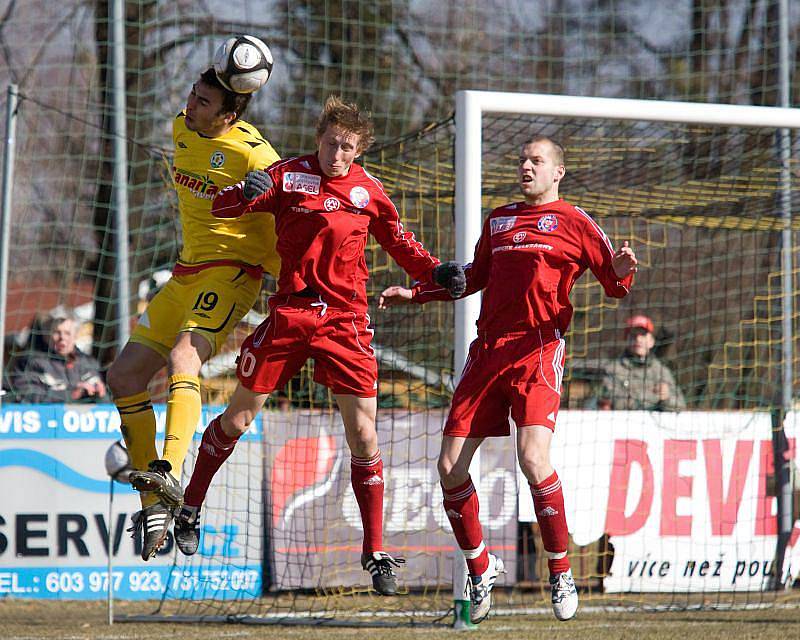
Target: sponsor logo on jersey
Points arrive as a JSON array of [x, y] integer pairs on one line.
[[528, 245], [359, 196], [519, 236], [217, 159], [501, 223], [301, 182], [200, 186], [331, 204], [547, 223]]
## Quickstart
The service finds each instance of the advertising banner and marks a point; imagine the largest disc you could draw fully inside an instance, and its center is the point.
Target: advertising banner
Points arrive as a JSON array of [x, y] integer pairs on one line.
[[683, 497], [316, 526], [55, 525]]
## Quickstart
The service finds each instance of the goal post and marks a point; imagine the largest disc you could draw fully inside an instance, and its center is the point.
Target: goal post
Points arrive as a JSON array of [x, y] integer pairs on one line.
[[472, 105], [474, 108]]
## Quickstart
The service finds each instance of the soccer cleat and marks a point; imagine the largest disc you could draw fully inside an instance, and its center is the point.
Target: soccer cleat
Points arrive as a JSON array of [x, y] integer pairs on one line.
[[160, 481], [564, 595], [481, 592], [152, 523], [187, 529], [379, 564]]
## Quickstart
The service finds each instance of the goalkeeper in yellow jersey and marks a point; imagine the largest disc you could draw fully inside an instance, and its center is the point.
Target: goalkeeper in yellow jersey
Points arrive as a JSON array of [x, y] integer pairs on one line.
[[215, 282]]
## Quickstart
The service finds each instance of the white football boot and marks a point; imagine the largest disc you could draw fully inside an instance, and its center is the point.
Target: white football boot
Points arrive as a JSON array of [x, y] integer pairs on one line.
[[563, 595]]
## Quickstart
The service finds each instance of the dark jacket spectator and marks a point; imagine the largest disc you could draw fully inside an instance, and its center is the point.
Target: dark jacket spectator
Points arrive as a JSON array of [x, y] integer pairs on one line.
[[61, 374]]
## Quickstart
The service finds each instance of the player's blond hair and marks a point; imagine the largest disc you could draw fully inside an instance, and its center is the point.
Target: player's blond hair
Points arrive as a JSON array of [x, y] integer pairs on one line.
[[347, 116]]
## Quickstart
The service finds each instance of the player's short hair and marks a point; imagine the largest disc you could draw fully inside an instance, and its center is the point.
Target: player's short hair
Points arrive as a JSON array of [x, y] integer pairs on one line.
[[349, 117], [232, 102], [557, 146]]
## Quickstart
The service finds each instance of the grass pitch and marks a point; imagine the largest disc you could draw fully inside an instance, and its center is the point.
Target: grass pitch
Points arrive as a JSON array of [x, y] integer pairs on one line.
[[36, 619]]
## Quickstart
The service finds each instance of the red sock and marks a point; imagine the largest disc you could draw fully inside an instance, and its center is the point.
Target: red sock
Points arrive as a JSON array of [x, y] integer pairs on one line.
[[461, 506], [215, 448], [548, 504], [366, 476]]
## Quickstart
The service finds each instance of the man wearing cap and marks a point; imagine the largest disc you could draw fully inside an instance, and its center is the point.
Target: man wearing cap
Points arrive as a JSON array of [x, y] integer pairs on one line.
[[638, 379]]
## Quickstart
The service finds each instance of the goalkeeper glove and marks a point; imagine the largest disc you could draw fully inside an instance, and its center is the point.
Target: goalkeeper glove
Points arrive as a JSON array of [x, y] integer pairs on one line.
[[256, 183], [451, 276]]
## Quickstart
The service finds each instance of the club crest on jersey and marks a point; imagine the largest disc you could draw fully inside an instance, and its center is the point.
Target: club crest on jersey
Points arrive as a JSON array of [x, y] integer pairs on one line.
[[301, 182], [519, 236], [359, 196], [501, 223], [331, 204], [217, 159], [547, 223]]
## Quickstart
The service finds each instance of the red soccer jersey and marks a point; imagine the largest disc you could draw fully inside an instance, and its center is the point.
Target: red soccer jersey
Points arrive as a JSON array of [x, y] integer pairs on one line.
[[528, 258], [322, 225]]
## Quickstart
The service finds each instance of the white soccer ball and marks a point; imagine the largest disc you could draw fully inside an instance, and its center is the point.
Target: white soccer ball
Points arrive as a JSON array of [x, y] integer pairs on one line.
[[243, 64], [118, 462]]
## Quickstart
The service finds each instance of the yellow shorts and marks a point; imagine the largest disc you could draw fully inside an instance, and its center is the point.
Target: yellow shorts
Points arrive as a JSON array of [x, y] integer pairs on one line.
[[210, 303]]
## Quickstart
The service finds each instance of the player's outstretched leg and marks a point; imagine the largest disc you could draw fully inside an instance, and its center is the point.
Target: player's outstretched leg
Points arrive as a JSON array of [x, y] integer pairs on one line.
[[533, 450], [366, 478], [215, 448], [152, 523], [548, 502], [159, 481], [461, 506]]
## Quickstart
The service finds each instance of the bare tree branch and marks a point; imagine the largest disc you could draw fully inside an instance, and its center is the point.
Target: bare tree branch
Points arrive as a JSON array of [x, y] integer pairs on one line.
[[6, 49]]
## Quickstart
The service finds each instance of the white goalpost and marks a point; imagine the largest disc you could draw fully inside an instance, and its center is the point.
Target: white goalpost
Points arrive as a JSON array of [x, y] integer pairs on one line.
[[717, 186], [471, 107]]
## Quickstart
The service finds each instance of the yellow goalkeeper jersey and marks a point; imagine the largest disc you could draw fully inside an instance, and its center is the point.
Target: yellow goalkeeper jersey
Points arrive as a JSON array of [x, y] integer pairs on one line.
[[201, 168]]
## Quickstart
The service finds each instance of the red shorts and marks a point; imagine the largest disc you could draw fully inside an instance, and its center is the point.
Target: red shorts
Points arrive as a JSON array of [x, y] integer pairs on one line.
[[301, 328], [521, 372]]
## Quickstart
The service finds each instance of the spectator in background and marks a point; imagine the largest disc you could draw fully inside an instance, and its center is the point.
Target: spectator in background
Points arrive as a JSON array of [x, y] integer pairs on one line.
[[62, 373], [638, 379]]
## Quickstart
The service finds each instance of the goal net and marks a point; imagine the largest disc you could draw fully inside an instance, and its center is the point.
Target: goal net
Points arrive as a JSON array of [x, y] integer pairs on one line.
[[665, 508], [670, 509], [677, 502]]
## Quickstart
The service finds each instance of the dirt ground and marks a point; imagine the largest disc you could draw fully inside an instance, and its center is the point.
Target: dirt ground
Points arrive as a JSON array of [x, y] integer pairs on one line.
[[35, 619]]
